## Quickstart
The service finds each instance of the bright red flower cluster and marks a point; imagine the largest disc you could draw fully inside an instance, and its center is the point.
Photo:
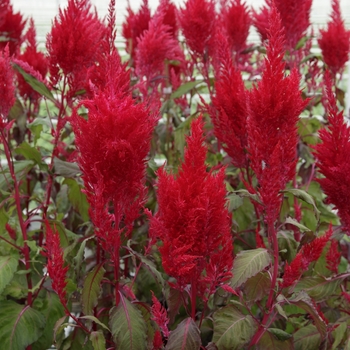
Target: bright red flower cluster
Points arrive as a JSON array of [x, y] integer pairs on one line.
[[335, 41], [160, 316], [197, 22], [274, 106], [193, 222], [55, 263], [7, 88], [333, 158], [73, 43]]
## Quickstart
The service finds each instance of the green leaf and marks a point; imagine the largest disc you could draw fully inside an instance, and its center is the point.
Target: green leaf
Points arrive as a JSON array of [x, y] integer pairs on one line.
[[271, 340], [185, 336], [257, 287], [91, 289], [21, 169], [128, 328], [339, 335], [246, 193], [29, 152], [232, 329], [234, 202], [37, 85], [286, 241], [37, 126], [303, 301], [247, 264], [318, 287], [301, 194], [20, 326], [307, 338], [96, 320], [66, 169], [52, 310], [294, 222], [98, 340], [185, 88], [8, 267], [78, 198]]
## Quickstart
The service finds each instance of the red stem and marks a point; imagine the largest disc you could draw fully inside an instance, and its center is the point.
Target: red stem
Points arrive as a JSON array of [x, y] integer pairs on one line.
[[193, 297]]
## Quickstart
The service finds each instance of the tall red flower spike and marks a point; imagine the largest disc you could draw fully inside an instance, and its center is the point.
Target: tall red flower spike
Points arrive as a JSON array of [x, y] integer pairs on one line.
[[295, 18], [274, 106], [7, 88], [229, 114], [236, 21], [36, 61], [73, 44], [133, 27], [156, 45], [308, 253], [197, 21], [11, 28], [335, 41], [160, 316], [333, 158], [55, 263], [193, 222]]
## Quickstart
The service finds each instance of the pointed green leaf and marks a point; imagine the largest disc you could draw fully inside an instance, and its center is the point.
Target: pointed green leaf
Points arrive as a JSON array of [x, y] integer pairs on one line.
[[294, 222], [287, 242], [66, 169], [271, 340], [248, 263], [8, 267], [232, 329], [185, 336], [19, 326], [318, 287], [98, 340], [91, 289], [301, 194], [257, 287], [307, 338], [96, 320], [246, 193], [78, 198], [29, 152], [37, 85], [339, 335], [234, 202], [128, 328], [185, 88]]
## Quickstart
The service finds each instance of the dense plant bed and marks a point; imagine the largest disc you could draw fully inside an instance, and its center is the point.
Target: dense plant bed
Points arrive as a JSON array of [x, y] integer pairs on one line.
[[192, 195]]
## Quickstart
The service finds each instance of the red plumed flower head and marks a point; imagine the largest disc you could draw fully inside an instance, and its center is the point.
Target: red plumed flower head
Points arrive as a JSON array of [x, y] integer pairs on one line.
[[73, 43], [333, 158], [7, 89], [11, 28], [193, 222], [197, 21], [274, 106], [335, 41]]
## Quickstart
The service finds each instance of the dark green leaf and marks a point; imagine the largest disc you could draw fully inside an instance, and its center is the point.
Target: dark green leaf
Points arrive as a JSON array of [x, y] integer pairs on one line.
[[245, 193], [234, 202], [98, 340], [184, 337], [339, 334], [78, 198], [20, 326], [30, 153], [66, 169], [279, 334], [287, 242], [232, 329], [257, 287], [8, 267], [91, 289], [294, 222], [185, 88], [270, 340], [37, 85], [307, 338], [128, 328], [247, 264], [96, 320]]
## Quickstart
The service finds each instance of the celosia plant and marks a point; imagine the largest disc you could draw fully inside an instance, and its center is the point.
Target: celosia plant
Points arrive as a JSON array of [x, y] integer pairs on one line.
[[128, 222]]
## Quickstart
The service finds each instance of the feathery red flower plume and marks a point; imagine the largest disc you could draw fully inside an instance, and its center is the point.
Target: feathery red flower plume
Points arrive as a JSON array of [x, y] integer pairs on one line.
[[55, 263], [73, 43], [133, 27], [36, 60], [156, 45], [333, 158], [333, 256], [197, 21], [193, 222], [7, 89], [229, 114], [170, 16], [274, 106], [160, 316], [236, 21], [295, 18], [11, 28], [335, 41]]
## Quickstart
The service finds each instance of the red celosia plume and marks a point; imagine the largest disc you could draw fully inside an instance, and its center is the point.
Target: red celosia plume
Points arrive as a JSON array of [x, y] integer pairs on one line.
[[335, 41], [73, 44], [160, 316], [274, 106], [55, 263], [192, 222], [333, 158], [7, 89]]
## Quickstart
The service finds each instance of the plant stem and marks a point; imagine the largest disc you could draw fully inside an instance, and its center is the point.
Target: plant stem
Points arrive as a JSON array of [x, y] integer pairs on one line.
[[193, 297]]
